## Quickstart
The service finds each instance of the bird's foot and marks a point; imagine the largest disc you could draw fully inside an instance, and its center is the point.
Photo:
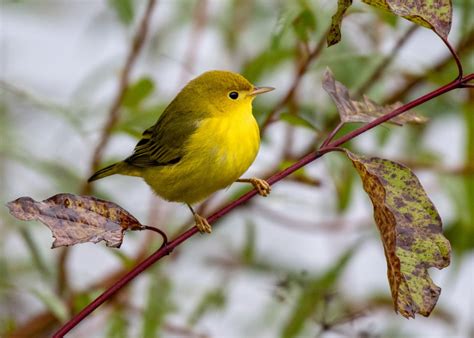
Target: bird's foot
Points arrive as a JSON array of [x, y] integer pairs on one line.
[[202, 224], [262, 186]]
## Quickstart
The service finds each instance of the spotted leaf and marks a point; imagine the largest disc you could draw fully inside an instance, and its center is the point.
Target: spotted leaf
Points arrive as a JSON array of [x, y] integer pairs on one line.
[[76, 219], [433, 14], [411, 232]]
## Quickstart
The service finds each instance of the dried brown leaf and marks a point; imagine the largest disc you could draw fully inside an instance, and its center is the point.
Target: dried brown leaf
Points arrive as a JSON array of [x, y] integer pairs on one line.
[[76, 219], [362, 111], [411, 232]]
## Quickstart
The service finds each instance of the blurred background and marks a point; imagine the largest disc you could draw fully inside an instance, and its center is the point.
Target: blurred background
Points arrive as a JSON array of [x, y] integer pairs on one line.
[[306, 261]]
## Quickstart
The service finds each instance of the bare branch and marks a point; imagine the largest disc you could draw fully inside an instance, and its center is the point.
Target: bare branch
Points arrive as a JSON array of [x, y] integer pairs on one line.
[[113, 115]]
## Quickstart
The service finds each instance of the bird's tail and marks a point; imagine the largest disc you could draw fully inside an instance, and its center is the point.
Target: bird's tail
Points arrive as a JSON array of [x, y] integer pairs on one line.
[[107, 171]]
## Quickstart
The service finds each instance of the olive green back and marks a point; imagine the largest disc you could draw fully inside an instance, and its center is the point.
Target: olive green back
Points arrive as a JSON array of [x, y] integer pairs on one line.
[[163, 143]]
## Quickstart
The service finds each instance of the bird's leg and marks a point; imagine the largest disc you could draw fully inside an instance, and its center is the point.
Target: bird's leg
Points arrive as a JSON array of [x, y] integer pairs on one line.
[[201, 223], [262, 186]]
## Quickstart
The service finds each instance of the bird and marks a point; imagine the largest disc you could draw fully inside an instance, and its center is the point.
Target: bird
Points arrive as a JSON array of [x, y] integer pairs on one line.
[[204, 140]]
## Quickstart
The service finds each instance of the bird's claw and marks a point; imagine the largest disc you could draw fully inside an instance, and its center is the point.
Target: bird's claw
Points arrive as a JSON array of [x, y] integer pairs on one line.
[[262, 186], [202, 224]]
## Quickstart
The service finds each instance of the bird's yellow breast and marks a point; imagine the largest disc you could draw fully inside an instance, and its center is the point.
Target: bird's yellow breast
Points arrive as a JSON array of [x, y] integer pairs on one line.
[[218, 153]]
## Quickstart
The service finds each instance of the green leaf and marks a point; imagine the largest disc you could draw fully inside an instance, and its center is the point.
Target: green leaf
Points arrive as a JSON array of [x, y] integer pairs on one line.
[[344, 183], [283, 25], [383, 136], [211, 301], [298, 121], [265, 62], [126, 261], [55, 304], [334, 35], [304, 24], [433, 14], [461, 236], [134, 121], [248, 252], [461, 189], [117, 325], [137, 92], [8, 325], [158, 305], [313, 294], [81, 300], [300, 175], [35, 253], [124, 10], [469, 123], [411, 232]]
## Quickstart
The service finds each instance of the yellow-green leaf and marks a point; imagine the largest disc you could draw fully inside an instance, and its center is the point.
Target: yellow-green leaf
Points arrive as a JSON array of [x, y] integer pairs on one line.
[[124, 9], [137, 92], [334, 35], [433, 14], [365, 110], [297, 121], [304, 24], [77, 219], [411, 232]]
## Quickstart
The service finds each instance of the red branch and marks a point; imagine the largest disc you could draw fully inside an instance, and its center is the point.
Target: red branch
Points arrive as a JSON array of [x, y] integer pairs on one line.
[[326, 147]]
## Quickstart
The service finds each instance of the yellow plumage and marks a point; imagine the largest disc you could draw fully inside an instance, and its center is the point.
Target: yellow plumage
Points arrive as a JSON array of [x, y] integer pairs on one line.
[[217, 154], [204, 140]]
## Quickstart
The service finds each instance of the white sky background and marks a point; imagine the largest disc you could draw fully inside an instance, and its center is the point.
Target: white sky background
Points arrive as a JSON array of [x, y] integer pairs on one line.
[[69, 54]]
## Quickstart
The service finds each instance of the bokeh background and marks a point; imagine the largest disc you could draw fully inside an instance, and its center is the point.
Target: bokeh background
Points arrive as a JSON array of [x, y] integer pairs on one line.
[[306, 261]]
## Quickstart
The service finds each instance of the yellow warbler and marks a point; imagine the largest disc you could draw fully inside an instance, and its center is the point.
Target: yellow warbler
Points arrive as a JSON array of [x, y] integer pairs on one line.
[[204, 140]]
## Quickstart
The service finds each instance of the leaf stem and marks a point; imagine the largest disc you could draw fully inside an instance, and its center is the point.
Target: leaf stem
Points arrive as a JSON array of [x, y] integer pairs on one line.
[[302, 69], [385, 63], [454, 54], [161, 232], [332, 134], [463, 47]]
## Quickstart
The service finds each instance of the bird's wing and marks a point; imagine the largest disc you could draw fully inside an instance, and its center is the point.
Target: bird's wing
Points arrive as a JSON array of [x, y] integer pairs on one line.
[[163, 143]]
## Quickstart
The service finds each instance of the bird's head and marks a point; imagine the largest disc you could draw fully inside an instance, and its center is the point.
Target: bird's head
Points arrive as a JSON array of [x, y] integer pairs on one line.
[[226, 91]]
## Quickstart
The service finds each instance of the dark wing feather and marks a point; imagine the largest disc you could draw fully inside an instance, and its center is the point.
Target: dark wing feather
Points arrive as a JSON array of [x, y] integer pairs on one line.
[[163, 143]]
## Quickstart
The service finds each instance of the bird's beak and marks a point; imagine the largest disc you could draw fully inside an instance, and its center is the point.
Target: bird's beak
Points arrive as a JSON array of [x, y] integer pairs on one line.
[[260, 90]]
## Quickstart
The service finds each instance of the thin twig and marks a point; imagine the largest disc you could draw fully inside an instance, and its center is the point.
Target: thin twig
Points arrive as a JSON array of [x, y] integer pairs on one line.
[[302, 69], [453, 54], [113, 115], [199, 22], [387, 60], [282, 219], [464, 46], [332, 134]]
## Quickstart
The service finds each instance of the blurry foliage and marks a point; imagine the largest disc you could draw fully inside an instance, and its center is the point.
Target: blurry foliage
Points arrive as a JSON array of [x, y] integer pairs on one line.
[[312, 295], [124, 9], [158, 304], [213, 300], [307, 303], [117, 323]]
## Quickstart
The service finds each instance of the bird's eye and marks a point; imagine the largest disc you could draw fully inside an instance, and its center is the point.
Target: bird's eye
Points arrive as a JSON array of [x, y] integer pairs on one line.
[[233, 95]]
